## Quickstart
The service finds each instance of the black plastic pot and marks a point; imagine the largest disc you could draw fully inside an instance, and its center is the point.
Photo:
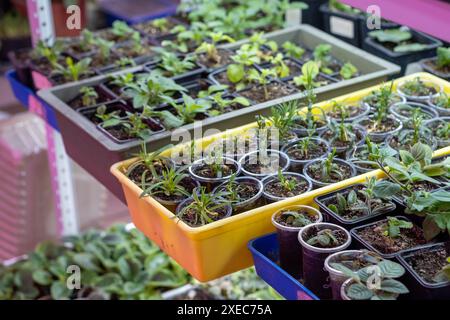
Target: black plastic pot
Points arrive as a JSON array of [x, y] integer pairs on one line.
[[315, 274], [420, 288], [424, 63], [280, 160], [196, 73], [319, 184], [332, 217], [272, 198], [364, 31], [297, 165], [291, 258], [360, 243], [403, 58], [248, 204], [117, 105], [313, 15], [342, 25]]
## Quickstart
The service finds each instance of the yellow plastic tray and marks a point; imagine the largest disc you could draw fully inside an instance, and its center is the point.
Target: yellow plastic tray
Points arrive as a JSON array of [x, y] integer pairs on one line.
[[220, 248]]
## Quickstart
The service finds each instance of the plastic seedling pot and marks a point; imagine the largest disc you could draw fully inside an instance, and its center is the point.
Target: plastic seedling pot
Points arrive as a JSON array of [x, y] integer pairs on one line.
[[213, 181], [427, 65], [247, 204], [267, 180], [404, 110], [421, 99], [172, 205], [364, 32], [210, 67], [313, 15], [403, 58], [379, 137], [419, 287], [193, 74], [117, 105], [291, 258], [319, 184], [186, 202], [342, 25], [278, 160], [315, 275], [341, 151], [265, 251], [363, 111], [330, 216], [433, 125], [360, 243], [443, 112], [297, 165]]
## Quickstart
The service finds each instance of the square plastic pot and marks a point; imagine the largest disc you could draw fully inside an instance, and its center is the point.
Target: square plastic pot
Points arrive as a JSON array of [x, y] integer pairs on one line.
[[265, 252], [342, 25], [75, 128], [427, 68], [403, 58]]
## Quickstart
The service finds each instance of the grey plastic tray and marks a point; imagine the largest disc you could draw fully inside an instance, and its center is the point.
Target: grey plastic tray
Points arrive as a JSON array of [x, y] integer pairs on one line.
[[96, 152]]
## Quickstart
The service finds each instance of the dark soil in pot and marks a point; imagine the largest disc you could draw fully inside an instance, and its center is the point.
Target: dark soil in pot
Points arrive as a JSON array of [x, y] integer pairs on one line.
[[405, 141], [136, 170], [245, 193], [148, 28], [405, 110], [352, 112], [206, 171], [373, 237], [91, 112], [103, 97], [378, 132], [190, 216], [129, 50], [373, 99], [324, 80], [343, 146], [317, 148], [289, 221], [223, 58], [295, 68], [121, 134], [421, 90], [431, 65], [274, 89], [428, 264], [313, 170], [274, 189], [252, 165], [193, 88], [187, 183], [301, 126]]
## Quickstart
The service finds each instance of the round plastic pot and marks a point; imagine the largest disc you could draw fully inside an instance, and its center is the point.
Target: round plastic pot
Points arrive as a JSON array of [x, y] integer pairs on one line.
[[297, 165], [291, 259], [217, 180], [248, 204], [393, 94], [443, 112], [171, 204], [427, 68], [332, 217], [364, 112], [320, 184], [343, 289], [395, 110], [356, 162], [422, 99], [271, 198], [441, 143], [302, 132], [283, 159], [315, 274], [187, 201], [429, 140], [337, 278], [379, 137], [420, 288], [341, 151]]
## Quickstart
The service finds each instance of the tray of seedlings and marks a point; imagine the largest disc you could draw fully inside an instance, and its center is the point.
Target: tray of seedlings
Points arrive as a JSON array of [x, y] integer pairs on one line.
[[113, 114], [438, 65], [219, 192]]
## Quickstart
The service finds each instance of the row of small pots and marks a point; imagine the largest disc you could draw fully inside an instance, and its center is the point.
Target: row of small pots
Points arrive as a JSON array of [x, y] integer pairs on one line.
[[313, 263]]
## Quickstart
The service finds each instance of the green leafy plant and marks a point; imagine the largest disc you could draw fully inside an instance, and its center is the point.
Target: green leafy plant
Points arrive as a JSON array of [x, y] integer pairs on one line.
[[296, 219], [122, 30], [161, 24], [292, 50], [322, 56], [220, 103], [324, 238], [73, 71], [125, 62], [348, 71], [244, 58], [51, 53], [190, 108], [382, 107], [133, 124], [375, 199], [210, 48], [310, 71], [279, 66], [282, 118], [393, 227], [443, 57], [442, 100], [400, 37], [169, 183], [374, 282], [105, 48], [329, 168], [339, 6], [89, 96], [172, 65], [262, 78], [109, 119]]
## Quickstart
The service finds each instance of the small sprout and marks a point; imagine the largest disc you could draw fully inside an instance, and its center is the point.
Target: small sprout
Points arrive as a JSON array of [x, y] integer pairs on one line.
[[393, 227], [324, 238], [89, 96], [348, 71], [292, 50]]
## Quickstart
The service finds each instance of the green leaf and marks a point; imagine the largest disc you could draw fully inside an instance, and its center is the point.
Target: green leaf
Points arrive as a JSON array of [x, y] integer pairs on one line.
[[411, 47], [59, 291], [346, 271], [391, 35], [385, 189], [242, 101], [235, 72], [421, 152], [393, 286], [124, 268], [430, 229], [86, 261], [390, 269], [132, 288], [42, 277], [357, 291]]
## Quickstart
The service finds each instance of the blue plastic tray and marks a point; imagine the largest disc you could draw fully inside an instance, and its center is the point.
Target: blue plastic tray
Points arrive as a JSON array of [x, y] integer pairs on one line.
[[23, 93], [143, 10], [265, 256]]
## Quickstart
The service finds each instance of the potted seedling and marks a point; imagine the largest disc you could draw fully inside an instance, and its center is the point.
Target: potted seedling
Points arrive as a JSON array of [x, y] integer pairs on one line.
[[428, 271], [243, 193], [119, 32], [211, 57], [71, 71], [170, 187], [404, 111], [157, 28], [263, 162], [340, 264], [283, 66], [289, 221], [348, 112], [318, 241], [189, 110], [375, 282], [203, 208], [223, 104], [327, 64], [364, 157], [357, 204], [83, 46], [172, 65], [109, 115], [348, 71], [89, 97], [381, 124], [323, 172], [390, 236], [44, 58], [285, 185], [440, 130], [385, 95], [441, 103], [214, 169], [293, 50], [310, 77], [406, 138], [418, 90], [343, 136], [439, 65], [141, 171], [306, 149]]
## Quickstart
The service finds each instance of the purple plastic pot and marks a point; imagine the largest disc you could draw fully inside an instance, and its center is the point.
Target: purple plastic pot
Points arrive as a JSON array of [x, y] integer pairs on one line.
[[315, 274], [291, 258]]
